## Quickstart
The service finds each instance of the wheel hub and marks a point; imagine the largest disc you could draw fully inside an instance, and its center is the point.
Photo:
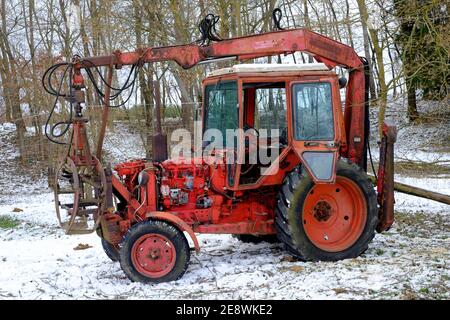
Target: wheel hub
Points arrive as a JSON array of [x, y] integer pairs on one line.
[[322, 211], [153, 255]]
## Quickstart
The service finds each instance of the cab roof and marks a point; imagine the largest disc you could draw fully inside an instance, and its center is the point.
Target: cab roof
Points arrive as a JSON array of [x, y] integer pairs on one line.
[[269, 67]]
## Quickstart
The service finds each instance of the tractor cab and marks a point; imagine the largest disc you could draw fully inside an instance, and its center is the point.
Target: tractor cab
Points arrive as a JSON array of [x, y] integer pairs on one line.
[[265, 114]]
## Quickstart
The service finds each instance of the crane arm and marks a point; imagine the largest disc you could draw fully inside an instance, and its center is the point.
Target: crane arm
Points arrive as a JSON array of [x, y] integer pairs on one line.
[[326, 50]]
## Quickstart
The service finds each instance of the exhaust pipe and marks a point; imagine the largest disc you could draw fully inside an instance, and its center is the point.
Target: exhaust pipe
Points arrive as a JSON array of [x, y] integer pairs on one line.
[[159, 140]]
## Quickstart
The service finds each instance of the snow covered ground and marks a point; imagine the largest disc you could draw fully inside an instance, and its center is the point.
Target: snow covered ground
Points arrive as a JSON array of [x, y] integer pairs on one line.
[[411, 261]]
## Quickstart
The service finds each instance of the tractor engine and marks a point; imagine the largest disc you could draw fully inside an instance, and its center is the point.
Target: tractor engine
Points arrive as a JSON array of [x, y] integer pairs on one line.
[[175, 184], [184, 183]]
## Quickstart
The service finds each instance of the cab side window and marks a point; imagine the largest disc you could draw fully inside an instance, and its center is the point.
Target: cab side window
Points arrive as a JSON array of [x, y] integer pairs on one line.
[[270, 109]]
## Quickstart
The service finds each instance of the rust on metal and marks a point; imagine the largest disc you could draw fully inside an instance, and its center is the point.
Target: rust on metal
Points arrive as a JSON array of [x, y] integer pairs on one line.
[[322, 211], [105, 113], [385, 186]]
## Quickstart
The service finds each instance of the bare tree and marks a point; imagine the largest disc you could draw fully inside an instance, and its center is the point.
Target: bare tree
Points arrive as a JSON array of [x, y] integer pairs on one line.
[[10, 81]]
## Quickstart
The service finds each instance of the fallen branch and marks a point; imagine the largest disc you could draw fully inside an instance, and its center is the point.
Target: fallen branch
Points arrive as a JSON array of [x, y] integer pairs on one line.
[[418, 192]]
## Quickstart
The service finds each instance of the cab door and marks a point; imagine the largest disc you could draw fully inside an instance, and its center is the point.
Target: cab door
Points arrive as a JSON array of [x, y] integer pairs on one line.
[[221, 114], [315, 132]]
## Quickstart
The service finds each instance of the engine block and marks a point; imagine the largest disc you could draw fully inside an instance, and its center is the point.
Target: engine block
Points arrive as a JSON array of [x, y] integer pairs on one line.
[[185, 183]]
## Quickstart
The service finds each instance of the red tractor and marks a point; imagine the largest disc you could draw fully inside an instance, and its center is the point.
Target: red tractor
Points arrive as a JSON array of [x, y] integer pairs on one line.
[[314, 197]]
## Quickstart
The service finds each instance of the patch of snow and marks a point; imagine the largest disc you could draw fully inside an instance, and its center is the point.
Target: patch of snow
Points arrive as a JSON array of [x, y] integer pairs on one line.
[[123, 144], [407, 202]]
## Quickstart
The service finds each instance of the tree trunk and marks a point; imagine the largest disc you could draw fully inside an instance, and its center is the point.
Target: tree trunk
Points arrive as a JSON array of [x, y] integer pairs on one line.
[[364, 16], [183, 77], [378, 49], [90, 94], [413, 114], [348, 24], [382, 99], [11, 87], [307, 24], [146, 85], [417, 192], [4, 81], [35, 98], [237, 27]]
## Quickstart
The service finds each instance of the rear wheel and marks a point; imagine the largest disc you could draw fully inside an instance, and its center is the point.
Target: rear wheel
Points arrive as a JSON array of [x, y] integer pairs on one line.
[[327, 221], [154, 251]]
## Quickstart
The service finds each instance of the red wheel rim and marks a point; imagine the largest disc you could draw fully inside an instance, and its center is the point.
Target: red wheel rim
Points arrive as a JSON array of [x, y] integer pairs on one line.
[[334, 215], [153, 255]]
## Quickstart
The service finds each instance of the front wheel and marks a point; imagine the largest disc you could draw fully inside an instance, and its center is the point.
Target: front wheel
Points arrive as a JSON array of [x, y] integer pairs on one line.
[[327, 221], [153, 252]]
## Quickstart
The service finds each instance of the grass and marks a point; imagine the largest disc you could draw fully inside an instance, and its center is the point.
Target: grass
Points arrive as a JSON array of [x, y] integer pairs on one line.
[[424, 290], [7, 222], [419, 224]]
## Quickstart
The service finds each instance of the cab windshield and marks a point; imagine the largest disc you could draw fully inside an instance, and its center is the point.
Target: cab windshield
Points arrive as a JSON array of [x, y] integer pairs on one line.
[[313, 111], [221, 109]]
